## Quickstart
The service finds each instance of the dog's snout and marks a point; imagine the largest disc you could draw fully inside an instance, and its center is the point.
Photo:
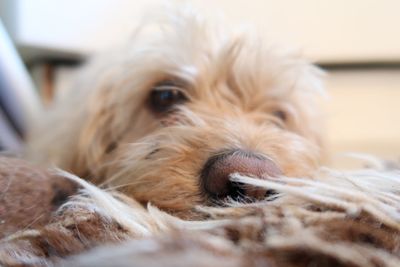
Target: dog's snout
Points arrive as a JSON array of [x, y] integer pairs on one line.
[[217, 170]]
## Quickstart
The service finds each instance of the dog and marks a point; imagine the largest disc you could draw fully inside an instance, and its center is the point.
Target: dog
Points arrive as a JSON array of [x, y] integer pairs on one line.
[[189, 114], [186, 103]]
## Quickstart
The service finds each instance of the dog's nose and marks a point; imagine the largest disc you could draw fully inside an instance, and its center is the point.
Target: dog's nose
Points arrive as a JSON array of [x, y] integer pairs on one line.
[[217, 170]]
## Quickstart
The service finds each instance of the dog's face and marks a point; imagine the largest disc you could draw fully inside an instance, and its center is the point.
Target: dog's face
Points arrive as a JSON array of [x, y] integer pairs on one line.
[[169, 119]]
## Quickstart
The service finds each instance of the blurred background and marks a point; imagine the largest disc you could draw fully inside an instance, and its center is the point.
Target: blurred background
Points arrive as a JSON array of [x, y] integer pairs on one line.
[[357, 42]]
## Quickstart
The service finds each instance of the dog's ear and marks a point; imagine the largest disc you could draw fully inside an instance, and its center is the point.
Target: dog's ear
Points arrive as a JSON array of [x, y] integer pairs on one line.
[[99, 135]]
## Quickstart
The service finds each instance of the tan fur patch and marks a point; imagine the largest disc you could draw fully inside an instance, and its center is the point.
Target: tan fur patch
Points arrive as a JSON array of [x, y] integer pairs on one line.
[[240, 93]]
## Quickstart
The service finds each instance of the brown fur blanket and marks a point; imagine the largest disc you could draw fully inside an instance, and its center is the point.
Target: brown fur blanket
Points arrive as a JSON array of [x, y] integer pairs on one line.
[[336, 219]]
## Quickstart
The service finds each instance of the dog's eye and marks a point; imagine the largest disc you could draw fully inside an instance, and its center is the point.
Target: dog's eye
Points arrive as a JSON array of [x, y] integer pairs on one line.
[[165, 96], [280, 114]]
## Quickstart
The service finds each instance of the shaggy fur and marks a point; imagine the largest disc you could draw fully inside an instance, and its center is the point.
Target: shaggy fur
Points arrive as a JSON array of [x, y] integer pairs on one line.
[[28, 195], [339, 219], [242, 93], [141, 202]]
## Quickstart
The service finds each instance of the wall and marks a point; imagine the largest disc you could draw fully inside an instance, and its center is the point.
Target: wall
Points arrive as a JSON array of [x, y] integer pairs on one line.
[[329, 31]]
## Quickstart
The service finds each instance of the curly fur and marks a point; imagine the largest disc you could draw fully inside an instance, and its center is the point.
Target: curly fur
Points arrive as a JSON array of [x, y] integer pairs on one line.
[[140, 201], [337, 219], [104, 131]]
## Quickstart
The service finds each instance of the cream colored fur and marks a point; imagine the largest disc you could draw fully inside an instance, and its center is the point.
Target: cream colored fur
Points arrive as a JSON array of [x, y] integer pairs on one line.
[[104, 131]]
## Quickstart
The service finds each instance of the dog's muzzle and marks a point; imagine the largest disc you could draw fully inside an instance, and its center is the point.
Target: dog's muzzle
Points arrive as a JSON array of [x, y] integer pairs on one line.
[[215, 176]]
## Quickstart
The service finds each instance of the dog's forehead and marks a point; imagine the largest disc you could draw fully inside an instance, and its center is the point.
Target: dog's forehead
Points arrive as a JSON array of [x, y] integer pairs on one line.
[[253, 65], [184, 41], [207, 56], [249, 63], [242, 72]]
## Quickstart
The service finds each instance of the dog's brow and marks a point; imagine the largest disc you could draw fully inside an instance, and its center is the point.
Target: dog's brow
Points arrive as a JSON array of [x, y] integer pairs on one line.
[[185, 76], [189, 70]]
